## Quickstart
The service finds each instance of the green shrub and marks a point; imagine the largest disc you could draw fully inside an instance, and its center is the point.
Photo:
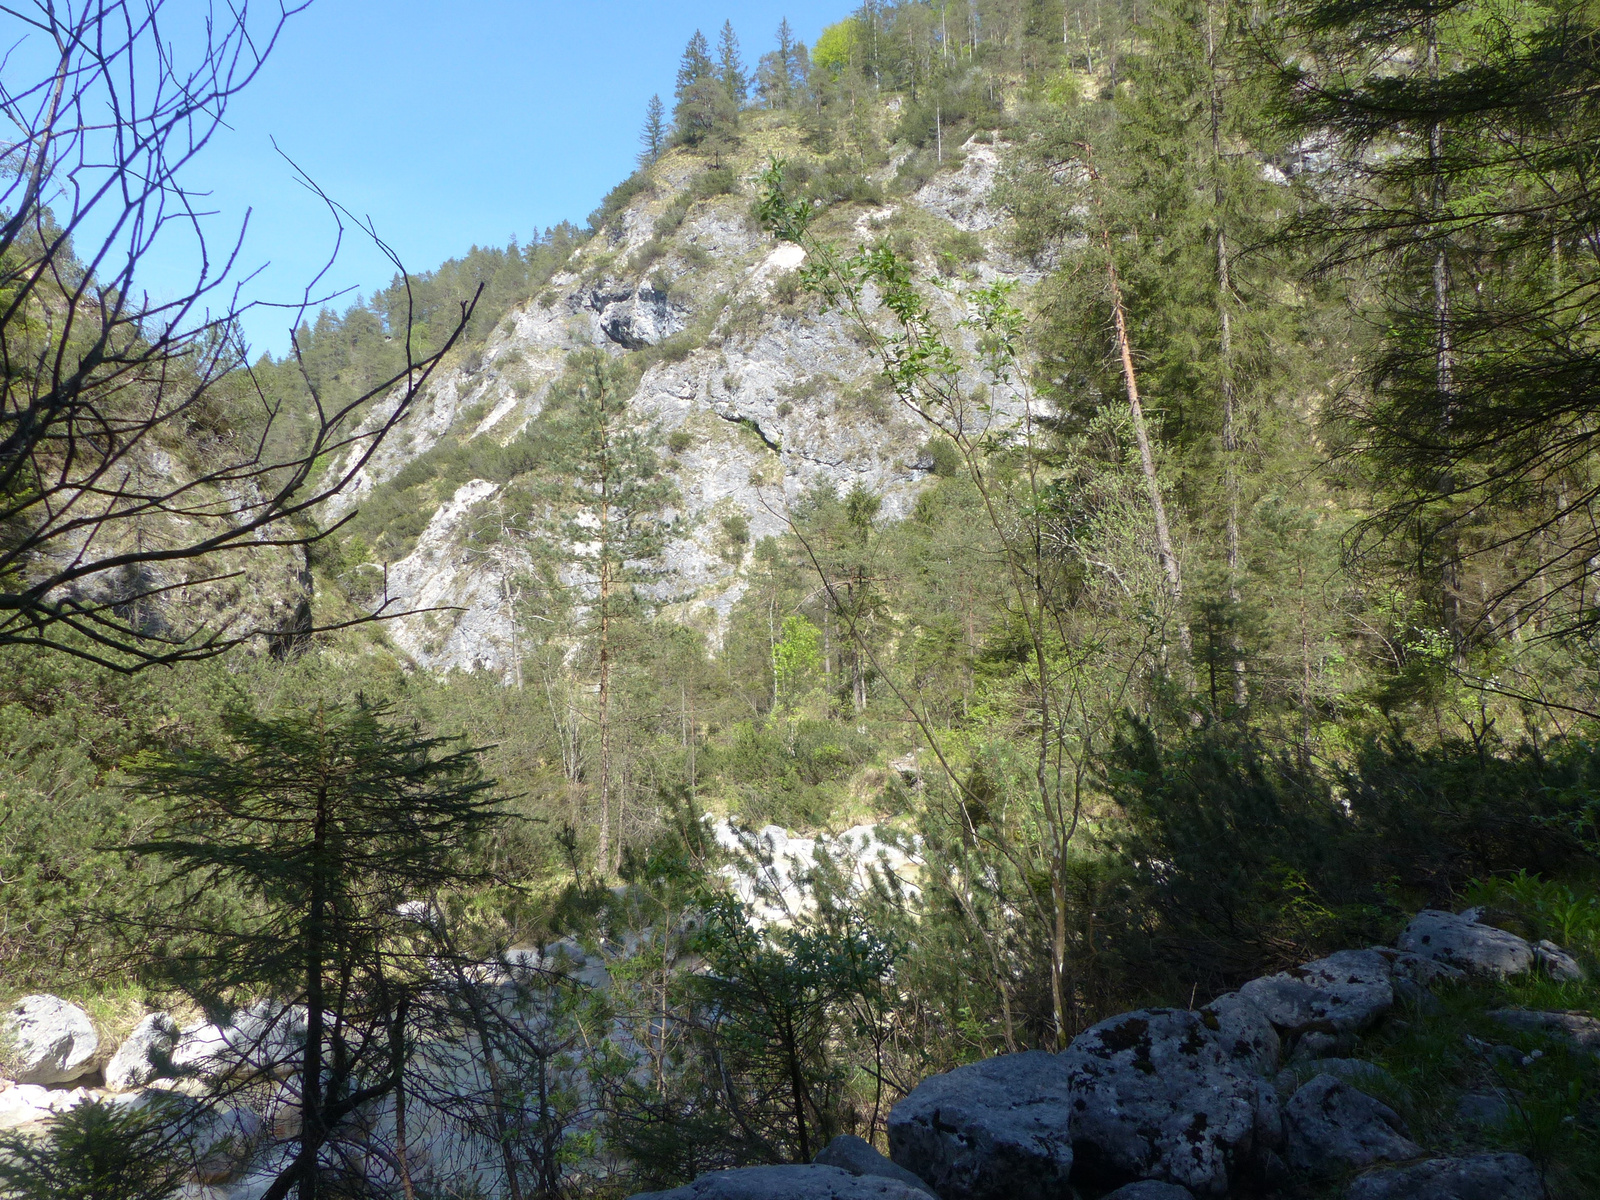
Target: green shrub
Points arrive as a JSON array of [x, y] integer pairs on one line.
[[715, 181], [617, 199]]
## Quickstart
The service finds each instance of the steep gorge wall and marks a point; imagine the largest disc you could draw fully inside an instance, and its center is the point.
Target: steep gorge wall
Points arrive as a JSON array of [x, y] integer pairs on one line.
[[775, 397]]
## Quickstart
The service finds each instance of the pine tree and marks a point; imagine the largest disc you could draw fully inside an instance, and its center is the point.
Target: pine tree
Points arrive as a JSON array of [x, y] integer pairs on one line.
[[654, 135], [782, 70], [730, 67]]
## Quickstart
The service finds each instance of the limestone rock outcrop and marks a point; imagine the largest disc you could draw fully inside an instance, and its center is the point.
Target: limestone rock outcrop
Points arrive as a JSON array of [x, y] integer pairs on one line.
[[1460, 940], [1332, 1127], [45, 1040], [993, 1130]]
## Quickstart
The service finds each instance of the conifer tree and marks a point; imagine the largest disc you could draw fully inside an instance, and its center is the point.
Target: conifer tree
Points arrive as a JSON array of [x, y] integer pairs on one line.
[[730, 67], [781, 70], [695, 65], [654, 135], [327, 824], [615, 500]]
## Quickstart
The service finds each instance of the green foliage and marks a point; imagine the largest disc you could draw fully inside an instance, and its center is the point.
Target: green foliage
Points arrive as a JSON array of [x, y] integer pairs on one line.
[[98, 1151]]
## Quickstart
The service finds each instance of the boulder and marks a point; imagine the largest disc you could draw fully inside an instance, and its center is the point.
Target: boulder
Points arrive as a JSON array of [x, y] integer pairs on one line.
[[1150, 1189], [807, 1181], [1578, 1030], [1246, 1033], [264, 1039], [221, 1141], [145, 1055], [1333, 1128], [991, 1130], [1557, 963], [1156, 1094], [1458, 940], [856, 1155], [45, 1040], [1343, 993], [1480, 1177], [26, 1103], [1484, 1109]]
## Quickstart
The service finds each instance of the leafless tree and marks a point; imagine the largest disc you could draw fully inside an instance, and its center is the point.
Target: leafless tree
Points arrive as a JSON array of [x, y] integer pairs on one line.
[[139, 470]]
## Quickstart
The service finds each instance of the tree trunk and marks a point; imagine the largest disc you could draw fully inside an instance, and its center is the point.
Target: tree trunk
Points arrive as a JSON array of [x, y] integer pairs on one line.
[[1164, 549], [1230, 441]]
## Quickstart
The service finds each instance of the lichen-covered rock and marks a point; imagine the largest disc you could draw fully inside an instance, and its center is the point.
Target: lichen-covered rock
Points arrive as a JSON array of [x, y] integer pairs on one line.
[[856, 1155], [1459, 940], [992, 1130], [45, 1040], [1332, 1127], [146, 1054], [802, 1182], [1246, 1033], [1579, 1030], [1479, 1177], [1343, 993], [1157, 1095]]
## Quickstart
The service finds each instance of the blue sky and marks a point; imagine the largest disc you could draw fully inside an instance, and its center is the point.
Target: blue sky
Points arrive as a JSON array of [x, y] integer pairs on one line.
[[448, 124]]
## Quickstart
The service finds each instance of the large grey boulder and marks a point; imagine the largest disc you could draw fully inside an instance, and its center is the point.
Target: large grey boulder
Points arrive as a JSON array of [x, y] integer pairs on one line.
[[1343, 993], [145, 1055], [1156, 1094], [45, 1040], [1458, 940], [1333, 1128], [1480, 1177], [857, 1155], [1246, 1033], [991, 1130], [806, 1181], [1578, 1030], [264, 1039]]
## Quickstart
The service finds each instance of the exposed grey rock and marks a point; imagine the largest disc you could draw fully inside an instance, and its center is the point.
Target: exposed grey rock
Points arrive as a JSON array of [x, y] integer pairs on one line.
[[1417, 968], [1485, 1109], [1480, 1177], [1333, 1127], [1246, 1034], [1343, 993], [145, 1055], [1458, 940], [1557, 963], [264, 1039], [1150, 1189], [856, 1155], [28, 1103], [807, 1181], [221, 1141], [992, 1130], [1156, 1094], [1579, 1030], [45, 1040]]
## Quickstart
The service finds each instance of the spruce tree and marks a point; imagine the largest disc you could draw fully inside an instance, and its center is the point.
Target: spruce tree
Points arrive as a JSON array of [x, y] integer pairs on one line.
[[654, 135], [296, 854], [730, 67]]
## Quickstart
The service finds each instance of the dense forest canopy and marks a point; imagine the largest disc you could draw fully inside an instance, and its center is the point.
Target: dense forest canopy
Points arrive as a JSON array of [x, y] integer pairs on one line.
[[1271, 621]]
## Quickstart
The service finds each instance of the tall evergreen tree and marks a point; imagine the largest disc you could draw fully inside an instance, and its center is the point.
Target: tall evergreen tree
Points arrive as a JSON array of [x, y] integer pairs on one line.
[[730, 66], [654, 135], [696, 63], [1463, 140], [327, 824], [781, 70]]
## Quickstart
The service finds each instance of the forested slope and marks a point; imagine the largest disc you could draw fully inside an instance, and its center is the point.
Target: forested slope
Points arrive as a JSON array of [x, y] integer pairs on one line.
[[1137, 454]]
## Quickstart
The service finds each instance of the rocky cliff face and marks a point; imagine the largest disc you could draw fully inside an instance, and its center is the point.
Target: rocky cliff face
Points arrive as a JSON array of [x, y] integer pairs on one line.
[[753, 397]]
